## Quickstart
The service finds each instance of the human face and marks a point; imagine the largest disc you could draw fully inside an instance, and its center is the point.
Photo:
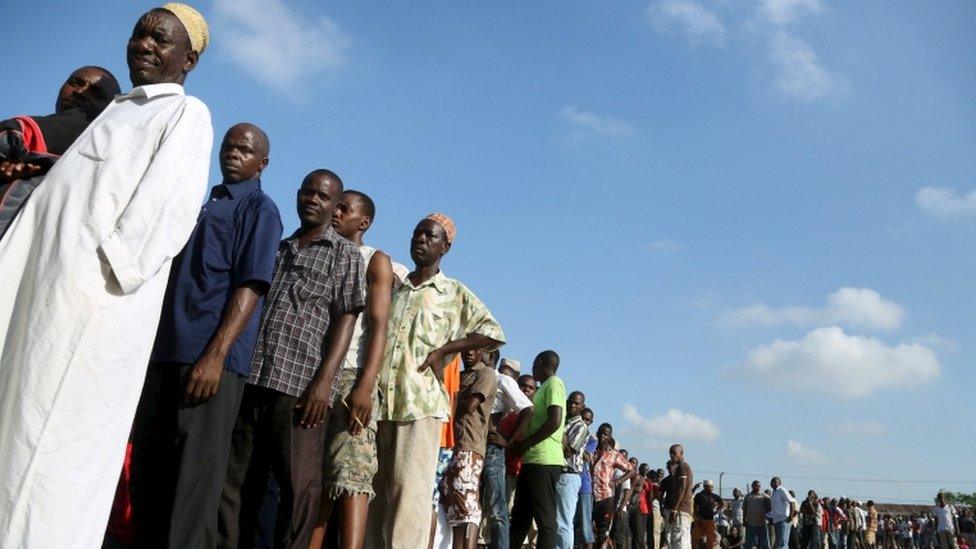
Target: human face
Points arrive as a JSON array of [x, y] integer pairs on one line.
[[575, 405], [241, 155], [756, 486], [159, 50], [88, 89], [774, 483], [677, 453], [587, 418], [348, 216], [527, 385], [428, 243], [316, 200], [707, 488], [603, 435], [471, 357]]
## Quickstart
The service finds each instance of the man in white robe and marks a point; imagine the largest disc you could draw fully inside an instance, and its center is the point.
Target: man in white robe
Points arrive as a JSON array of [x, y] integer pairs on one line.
[[84, 268]]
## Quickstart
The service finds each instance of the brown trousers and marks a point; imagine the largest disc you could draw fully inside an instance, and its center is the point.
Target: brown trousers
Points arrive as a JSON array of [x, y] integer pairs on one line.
[[703, 529]]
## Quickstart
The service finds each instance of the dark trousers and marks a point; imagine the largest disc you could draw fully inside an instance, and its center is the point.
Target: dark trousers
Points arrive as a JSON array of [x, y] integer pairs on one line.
[[179, 458], [267, 437], [535, 498], [638, 528]]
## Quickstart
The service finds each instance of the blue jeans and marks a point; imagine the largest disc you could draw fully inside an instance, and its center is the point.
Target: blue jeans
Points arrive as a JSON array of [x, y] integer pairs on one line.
[[567, 492], [782, 529], [583, 521], [756, 536], [495, 500]]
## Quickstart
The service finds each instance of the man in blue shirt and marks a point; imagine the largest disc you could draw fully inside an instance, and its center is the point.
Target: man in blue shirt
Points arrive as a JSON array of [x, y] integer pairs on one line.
[[202, 356]]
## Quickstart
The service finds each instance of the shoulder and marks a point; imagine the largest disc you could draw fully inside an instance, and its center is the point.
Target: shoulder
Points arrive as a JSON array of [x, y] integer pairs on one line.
[[260, 202], [194, 108]]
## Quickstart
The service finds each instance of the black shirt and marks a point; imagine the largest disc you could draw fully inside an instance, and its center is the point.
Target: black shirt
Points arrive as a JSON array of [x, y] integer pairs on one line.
[[705, 505]]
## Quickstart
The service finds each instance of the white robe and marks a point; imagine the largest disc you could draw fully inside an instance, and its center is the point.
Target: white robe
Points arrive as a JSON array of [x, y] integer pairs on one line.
[[83, 269]]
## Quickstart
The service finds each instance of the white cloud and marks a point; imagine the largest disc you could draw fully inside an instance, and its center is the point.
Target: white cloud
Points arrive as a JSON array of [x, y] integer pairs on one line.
[[280, 47], [853, 428], [674, 426], [946, 203], [828, 361], [688, 17], [665, 245], [804, 454], [584, 126], [937, 342], [853, 307], [799, 72], [781, 12]]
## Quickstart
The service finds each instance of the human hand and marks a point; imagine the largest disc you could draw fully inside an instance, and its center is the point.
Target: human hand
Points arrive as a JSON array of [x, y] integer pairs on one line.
[[360, 404], [434, 362], [204, 379], [314, 403], [12, 170], [498, 439]]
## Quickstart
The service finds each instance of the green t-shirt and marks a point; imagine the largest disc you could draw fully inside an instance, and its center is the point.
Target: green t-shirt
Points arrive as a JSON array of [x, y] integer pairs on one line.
[[550, 451]]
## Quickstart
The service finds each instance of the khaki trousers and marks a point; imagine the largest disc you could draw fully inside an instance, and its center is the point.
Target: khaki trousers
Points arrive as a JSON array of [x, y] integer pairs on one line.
[[947, 540], [399, 516]]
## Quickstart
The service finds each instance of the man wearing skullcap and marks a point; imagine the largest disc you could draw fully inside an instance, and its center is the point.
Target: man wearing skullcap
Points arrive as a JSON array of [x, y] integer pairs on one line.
[[432, 319], [85, 265]]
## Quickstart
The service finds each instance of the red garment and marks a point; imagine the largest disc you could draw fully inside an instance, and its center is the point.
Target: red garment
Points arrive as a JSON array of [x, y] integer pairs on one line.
[[646, 489], [120, 526], [513, 464], [32, 137]]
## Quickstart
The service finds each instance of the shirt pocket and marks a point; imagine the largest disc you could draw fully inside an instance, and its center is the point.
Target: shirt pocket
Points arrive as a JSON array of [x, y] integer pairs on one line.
[[313, 286], [105, 140]]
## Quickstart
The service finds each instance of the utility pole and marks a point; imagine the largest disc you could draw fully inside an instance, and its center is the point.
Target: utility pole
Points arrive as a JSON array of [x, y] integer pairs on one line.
[[720, 475]]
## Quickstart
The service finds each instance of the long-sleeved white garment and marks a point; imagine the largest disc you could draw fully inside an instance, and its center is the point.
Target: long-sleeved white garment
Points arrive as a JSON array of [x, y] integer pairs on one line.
[[83, 269]]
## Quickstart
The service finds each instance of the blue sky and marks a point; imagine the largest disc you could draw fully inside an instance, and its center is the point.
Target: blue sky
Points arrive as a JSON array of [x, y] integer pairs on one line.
[[744, 225]]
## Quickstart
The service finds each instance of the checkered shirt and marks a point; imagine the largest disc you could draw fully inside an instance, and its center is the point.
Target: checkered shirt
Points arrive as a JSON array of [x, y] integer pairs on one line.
[[311, 286]]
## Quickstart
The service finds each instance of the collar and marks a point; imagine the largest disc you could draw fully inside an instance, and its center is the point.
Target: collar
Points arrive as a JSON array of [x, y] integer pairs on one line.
[[438, 281], [236, 190], [151, 91], [328, 236]]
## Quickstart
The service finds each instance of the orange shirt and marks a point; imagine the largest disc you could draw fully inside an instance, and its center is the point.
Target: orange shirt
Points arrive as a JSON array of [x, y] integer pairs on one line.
[[452, 383]]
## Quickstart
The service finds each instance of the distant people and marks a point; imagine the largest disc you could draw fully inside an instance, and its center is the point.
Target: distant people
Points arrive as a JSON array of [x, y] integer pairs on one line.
[[85, 265], [509, 399], [202, 356], [656, 527], [967, 527], [810, 519], [318, 291], [606, 461], [568, 486], [542, 457], [350, 454], [871, 533], [706, 505], [735, 507], [583, 534], [945, 517], [754, 508], [432, 319], [678, 500], [782, 510], [29, 145]]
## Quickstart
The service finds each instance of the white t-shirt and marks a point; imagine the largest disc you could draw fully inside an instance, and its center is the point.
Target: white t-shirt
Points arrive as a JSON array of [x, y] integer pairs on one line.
[[945, 517], [780, 504], [508, 396]]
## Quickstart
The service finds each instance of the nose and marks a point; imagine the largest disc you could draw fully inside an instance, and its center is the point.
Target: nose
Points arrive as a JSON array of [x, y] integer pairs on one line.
[[140, 45]]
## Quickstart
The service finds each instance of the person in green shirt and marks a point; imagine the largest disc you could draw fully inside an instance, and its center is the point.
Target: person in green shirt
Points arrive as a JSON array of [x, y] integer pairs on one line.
[[542, 457]]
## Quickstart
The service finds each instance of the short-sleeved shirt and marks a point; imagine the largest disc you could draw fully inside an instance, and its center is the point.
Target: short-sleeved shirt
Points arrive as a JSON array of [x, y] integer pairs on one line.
[[754, 508], [586, 480], [471, 430], [549, 451], [234, 241], [780, 505], [736, 506], [312, 286], [945, 517], [682, 480], [509, 398], [705, 505], [424, 318], [606, 465], [576, 434]]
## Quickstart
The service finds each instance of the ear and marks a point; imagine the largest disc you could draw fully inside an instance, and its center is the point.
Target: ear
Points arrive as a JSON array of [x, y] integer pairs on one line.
[[365, 223], [192, 57], [264, 163], [447, 248]]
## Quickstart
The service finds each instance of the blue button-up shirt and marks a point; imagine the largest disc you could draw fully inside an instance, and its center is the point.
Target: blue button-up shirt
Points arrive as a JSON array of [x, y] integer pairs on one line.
[[235, 241]]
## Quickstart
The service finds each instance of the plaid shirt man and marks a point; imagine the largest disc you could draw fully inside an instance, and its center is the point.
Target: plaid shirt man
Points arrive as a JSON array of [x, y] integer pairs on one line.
[[576, 434], [311, 286]]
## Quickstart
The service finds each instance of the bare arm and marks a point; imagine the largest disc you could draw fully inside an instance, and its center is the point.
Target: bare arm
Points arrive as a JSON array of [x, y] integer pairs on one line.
[[379, 281], [435, 360], [469, 404], [315, 400], [521, 422], [204, 378], [554, 416]]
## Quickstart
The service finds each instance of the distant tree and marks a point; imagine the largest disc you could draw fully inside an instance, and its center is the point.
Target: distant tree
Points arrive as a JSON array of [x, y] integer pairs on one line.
[[960, 497]]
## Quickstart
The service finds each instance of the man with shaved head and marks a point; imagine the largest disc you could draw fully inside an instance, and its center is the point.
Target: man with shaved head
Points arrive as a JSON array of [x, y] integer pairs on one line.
[[678, 500], [202, 357], [85, 264]]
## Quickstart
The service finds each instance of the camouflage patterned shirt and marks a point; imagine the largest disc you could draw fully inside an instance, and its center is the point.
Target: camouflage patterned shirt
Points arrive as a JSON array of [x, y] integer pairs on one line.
[[422, 319]]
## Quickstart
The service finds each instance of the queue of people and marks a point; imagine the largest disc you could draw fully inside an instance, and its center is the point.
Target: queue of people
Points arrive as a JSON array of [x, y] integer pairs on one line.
[[301, 392]]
